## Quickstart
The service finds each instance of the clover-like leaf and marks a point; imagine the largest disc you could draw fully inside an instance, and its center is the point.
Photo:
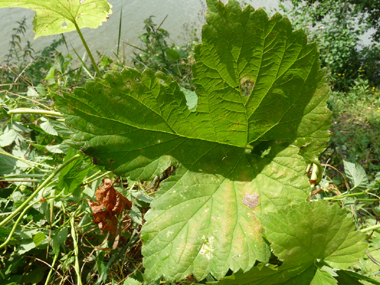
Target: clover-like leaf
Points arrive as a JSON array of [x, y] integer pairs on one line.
[[261, 97], [309, 231], [60, 16]]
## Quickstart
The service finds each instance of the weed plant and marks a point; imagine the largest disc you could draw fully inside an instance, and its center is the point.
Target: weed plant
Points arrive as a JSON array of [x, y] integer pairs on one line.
[[158, 55]]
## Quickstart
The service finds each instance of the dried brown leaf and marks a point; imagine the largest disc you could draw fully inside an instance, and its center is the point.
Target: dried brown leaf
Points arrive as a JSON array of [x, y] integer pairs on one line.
[[110, 204]]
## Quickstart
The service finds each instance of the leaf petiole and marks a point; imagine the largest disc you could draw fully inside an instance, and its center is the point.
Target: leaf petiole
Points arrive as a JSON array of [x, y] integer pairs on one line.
[[76, 250], [34, 111], [91, 179], [370, 228], [88, 50], [345, 195], [31, 163]]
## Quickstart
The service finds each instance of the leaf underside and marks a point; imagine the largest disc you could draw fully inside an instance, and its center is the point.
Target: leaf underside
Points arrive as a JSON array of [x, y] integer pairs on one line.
[[58, 16], [261, 97]]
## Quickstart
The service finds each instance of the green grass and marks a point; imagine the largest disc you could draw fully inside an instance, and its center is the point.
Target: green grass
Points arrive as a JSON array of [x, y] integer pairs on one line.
[[356, 127]]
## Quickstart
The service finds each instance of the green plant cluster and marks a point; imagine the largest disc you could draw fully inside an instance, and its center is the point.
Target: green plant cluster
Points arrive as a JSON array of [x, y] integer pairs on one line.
[[369, 11], [25, 70], [356, 127], [158, 55], [47, 183], [216, 144], [334, 26]]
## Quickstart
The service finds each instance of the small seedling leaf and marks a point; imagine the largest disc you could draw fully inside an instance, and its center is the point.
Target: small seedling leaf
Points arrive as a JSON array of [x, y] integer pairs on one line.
[[356, 174], [49, 128], [38, 238]]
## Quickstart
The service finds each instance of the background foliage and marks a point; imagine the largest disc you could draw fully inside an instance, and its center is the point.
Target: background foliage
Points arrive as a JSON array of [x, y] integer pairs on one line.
[[337, 27]]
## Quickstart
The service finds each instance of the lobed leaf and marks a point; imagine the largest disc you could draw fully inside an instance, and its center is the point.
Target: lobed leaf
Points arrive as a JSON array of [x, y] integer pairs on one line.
[[285, 274], [261, 97], [269, 275], [309, 231], [60, 16], [305, 237]]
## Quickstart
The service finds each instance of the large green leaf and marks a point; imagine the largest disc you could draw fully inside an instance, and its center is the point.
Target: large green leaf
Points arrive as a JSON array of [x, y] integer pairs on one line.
[[311, 231], [306, 237], [269, 275], [60, 16], [284, 275], [237, 154]]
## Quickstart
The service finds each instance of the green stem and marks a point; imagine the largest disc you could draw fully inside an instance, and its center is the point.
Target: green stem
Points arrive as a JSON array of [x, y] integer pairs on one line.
[[119, 36], [56, 255], [15, 226], [19, 219], [31, 163], [76, 251], [34, 101], [370, 228], [34, 111], [42, 186], [22, 176], [92, 176], [88, 50], [19, 180], [345, 195], [90, 181]]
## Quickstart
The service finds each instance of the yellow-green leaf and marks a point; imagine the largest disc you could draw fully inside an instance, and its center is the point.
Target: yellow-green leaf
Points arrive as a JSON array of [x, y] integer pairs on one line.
[[60, 16]]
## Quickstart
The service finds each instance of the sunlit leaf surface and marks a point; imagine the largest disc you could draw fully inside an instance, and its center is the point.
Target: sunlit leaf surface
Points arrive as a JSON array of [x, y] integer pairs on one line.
[[261, 97], [60, 16]]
